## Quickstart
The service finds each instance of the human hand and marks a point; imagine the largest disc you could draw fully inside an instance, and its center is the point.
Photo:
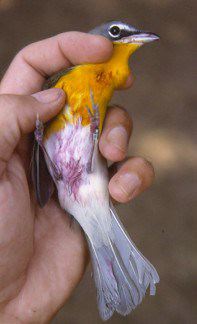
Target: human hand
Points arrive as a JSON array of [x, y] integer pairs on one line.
[[42, 257]]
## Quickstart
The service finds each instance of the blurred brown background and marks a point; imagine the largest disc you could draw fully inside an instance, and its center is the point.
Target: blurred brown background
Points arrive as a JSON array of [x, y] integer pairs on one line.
[[162, 103]]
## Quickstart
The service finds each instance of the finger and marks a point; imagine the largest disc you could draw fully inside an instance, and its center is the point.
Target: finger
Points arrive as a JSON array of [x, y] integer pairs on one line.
[[129, 82], [32, 64], [132, 178], [116, 133], [18, 117]]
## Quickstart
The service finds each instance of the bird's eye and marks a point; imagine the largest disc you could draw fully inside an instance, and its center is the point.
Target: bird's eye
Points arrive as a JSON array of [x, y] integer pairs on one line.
[[114, 31]]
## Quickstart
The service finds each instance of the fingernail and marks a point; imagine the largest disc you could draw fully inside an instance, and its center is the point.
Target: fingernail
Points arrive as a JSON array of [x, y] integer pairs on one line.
[[118, 137], [128, 185], [50, 95]]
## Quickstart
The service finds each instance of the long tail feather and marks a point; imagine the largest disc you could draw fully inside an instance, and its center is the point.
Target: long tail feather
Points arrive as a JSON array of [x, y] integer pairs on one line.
[[122, 274], [133, 259]]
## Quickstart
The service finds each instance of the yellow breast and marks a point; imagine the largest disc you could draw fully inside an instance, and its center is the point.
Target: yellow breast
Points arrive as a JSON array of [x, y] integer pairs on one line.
[[100, 79], [78, 85]]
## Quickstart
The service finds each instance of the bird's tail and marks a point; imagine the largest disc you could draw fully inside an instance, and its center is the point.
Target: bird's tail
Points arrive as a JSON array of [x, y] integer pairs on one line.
[[122, 274]]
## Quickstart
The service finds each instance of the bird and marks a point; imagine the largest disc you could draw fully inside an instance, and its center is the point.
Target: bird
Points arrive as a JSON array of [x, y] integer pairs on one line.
[[66, 156]]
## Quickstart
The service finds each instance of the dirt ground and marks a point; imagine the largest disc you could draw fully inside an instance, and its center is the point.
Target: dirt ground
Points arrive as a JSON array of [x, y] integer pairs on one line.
[[162, 103]]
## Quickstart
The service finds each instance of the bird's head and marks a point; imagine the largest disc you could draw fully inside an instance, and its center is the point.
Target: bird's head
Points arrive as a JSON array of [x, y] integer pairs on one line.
[[124, 34]]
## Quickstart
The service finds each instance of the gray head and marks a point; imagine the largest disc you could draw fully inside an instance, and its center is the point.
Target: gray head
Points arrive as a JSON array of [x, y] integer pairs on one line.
[[119, 32]]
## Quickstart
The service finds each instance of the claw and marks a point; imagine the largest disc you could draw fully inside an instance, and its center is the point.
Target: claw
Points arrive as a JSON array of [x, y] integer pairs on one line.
[[94, 128], [94, 118]]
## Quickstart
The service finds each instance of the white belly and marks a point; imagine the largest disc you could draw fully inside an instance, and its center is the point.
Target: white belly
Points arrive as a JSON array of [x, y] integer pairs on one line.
[[82, 193]]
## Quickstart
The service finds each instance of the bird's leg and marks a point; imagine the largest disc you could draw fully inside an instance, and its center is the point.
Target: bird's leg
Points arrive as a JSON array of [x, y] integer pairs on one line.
[[94, 119], [94, 129], [39, 134]]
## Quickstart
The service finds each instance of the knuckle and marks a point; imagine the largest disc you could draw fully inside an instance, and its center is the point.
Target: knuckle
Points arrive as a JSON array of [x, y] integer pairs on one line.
[[5, 100], [9, 106], [9, 131], [8, 102], [22, 51], [19, 55], [6, 109]]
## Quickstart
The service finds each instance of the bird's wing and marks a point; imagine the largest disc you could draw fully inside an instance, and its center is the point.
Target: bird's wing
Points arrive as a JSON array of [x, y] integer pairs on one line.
[[42, 181], [51, 81]]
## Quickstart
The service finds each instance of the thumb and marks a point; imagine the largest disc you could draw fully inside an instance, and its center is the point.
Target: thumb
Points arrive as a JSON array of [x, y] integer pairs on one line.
[[18, 116]]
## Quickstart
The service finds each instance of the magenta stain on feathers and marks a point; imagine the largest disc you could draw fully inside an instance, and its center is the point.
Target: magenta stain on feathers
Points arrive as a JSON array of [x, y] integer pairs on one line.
[[72, 154], [73, 176]]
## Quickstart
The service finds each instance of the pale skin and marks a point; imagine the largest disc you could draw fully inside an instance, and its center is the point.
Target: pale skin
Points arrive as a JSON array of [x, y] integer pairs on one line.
[[42, 256]]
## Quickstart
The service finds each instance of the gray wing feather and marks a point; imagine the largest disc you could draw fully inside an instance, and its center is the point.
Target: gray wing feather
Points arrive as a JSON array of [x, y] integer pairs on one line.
[[51, 81], [41, 178]]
